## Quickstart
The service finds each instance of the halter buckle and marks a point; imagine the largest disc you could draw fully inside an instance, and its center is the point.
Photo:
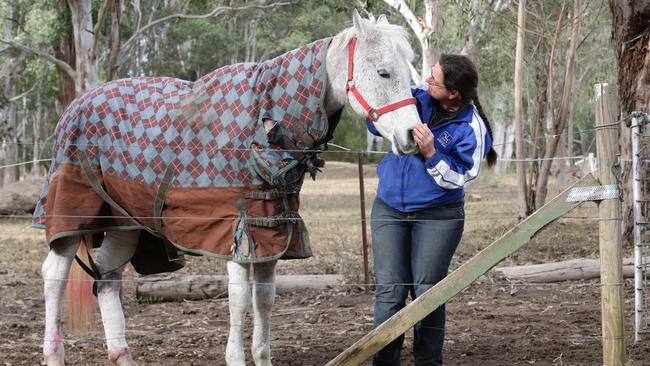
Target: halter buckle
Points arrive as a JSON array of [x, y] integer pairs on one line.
[[373, 115], [349, 85]]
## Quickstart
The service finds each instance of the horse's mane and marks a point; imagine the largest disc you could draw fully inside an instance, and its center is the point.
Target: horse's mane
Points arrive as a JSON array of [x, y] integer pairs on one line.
[[395, 34]]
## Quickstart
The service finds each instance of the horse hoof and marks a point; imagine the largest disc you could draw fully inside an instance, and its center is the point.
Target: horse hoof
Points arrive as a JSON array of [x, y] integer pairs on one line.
[[121, 358], [54, 360]]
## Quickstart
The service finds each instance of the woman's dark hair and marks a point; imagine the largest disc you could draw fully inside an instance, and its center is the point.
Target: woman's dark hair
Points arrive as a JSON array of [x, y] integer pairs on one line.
[[460, 74]]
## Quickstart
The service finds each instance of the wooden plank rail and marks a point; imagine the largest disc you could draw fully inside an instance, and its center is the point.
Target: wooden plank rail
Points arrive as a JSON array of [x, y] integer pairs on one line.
[[456, 281]]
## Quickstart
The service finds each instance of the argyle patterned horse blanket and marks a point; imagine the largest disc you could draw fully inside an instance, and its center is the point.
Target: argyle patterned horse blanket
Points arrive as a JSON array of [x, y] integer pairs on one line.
[[191, 163]]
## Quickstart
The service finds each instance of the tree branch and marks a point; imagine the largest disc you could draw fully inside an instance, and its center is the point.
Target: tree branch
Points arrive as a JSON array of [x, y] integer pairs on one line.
[[62, 64], [17, 97], [18, 23], [215, 12], [415, 75], [407, 13], [97, 30]]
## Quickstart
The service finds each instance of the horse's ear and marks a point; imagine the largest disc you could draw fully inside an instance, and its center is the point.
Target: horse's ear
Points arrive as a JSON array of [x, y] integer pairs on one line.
[[382, 19], [360, 24]]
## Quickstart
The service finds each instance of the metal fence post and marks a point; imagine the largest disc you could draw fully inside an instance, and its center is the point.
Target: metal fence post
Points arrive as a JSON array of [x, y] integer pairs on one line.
[[640, 324]]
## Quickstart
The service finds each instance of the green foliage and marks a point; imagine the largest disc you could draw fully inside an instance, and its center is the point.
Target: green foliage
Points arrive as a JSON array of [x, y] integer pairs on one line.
[[189, 49]]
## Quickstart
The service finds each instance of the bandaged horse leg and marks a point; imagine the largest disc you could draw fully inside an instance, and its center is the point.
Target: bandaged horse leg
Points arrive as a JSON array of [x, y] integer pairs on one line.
[[263, 299], [239, 301], [55, 278], [117, 249]]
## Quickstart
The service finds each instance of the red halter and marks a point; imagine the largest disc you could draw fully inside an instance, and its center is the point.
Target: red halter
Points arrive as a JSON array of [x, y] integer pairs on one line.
[[373, 114]]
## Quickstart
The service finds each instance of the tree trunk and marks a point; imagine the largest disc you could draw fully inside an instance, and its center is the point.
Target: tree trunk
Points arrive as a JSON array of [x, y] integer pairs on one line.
[[20, 197], [22, 146], [472, 34], [11, 72], [569, 270], [114, 41], [64, 51], [3, 158], [519, 124], [560, 122], [504, 145], [37, 121], [174, 287], [424, 29], [536, 148], [430, 54], [13, 69], [84, 40], [632, 47]]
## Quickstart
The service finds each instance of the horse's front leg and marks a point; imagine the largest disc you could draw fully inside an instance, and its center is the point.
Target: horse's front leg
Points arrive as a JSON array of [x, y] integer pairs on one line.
[[55, 278], [263, 299], [239, 300], [115, 252]]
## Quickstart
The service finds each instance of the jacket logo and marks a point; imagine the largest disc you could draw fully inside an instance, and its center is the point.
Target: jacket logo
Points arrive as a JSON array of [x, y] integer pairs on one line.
[[444, 139]]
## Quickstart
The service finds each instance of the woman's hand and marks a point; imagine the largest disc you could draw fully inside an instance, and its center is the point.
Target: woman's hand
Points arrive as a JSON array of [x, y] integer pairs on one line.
[[424, 138]]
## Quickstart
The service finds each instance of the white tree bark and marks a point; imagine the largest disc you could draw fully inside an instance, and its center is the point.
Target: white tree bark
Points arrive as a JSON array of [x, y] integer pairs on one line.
[[479, 21], [84, 43], [36, 126], [11, 71], [504, 144], [423, 29], [519, 124]]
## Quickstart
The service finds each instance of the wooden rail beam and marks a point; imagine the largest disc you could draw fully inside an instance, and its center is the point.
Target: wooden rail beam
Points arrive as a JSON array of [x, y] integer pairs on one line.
[[456, 281]]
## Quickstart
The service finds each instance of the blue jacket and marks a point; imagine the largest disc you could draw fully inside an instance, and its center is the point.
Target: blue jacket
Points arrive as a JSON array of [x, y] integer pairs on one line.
[[408, 183]]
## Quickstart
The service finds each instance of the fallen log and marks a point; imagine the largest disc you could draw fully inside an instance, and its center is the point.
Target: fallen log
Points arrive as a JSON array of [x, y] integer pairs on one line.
[[20, 197], [174, 287], [570, 270]]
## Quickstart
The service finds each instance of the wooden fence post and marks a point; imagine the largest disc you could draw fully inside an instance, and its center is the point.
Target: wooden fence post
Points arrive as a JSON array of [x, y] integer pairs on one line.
[[364, 237], [609, 229]]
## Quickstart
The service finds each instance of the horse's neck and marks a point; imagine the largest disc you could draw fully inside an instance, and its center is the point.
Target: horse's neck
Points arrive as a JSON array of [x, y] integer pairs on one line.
[[336, 68]]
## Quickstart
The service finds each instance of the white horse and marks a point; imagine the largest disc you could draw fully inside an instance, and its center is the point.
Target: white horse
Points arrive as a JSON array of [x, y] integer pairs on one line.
[[372, 72]]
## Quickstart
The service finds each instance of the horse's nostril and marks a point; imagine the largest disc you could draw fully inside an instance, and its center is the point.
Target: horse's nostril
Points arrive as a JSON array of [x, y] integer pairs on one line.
[[409, 135]]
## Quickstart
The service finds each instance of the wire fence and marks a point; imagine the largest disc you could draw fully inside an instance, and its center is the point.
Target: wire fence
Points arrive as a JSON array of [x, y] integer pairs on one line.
[[342, 149], [163, 332]]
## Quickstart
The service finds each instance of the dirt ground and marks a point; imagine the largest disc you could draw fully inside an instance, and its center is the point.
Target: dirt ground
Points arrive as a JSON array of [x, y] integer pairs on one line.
[[489, 323]]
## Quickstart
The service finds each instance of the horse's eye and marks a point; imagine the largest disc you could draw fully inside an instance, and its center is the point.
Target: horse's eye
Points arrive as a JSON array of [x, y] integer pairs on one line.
[[383, 73]]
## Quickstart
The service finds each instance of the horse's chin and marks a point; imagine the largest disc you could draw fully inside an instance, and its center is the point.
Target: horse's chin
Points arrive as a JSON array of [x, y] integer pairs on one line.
[[409, 150]]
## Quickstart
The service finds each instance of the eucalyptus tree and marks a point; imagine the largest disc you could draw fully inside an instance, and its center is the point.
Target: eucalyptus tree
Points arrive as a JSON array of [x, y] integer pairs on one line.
[[631, 34], [84, 39]]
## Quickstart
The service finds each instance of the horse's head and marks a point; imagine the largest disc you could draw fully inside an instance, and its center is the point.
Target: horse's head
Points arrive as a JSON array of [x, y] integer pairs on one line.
[[377, 79]]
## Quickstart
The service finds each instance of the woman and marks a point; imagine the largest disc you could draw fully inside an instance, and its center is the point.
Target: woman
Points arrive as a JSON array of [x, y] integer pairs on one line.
[[418, 215]]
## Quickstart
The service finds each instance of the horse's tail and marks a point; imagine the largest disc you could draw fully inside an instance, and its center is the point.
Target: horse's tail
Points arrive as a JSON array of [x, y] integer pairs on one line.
[[80, 300]]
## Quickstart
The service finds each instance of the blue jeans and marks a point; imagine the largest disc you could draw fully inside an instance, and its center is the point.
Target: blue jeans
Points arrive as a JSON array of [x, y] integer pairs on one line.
[[411, 253]]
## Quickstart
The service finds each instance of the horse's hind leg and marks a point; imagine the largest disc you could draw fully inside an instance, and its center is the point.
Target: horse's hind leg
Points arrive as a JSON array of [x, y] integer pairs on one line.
[[55, 278], [263, 299], [239, 300], [117, 249]]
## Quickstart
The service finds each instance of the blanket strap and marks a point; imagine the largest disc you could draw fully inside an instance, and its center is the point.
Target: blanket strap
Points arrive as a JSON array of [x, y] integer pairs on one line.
[[96, 185], [90, 269], [274, 221], [298, 149], [159, 203], [271, 195]]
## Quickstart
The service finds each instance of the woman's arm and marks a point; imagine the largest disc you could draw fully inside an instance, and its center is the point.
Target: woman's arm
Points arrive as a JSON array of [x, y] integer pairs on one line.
[[462, 163]]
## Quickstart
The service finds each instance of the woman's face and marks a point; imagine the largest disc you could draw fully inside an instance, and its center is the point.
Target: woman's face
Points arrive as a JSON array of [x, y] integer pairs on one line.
[[436, 81]]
